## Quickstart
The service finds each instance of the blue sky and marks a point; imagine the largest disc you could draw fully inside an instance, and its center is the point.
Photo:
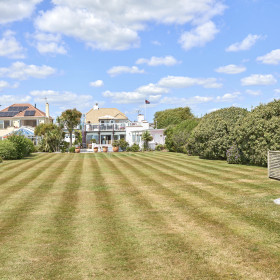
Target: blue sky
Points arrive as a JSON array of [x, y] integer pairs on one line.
[[205, 54]]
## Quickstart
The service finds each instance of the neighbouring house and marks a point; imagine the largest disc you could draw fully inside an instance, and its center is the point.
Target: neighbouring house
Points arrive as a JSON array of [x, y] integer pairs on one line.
[[22, 118], [104, 125], [134, 132]]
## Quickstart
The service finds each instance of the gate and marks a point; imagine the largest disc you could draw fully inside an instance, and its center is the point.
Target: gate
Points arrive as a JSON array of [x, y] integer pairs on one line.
[[273, 162]]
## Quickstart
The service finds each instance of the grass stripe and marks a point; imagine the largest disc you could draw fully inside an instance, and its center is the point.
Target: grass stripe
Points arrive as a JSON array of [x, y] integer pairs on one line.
[[203, 217], [174, 241]]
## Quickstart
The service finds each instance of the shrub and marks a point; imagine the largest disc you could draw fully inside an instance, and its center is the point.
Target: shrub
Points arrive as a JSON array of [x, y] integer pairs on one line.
[[177, 136], [214, 134], [233, 155], [123, 144], [259, 132], [160, 147], [116, 143], [8, 150], [64, 146], [1, 160], [24, 146], [135, 148], [172, 116], [72, 150]]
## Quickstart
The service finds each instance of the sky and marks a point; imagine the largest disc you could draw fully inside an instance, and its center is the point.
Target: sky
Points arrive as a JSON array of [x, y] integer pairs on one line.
[[205, 54]]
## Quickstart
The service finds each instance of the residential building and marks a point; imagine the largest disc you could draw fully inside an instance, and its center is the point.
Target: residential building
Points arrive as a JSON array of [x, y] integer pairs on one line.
[[104, 125], [22, 118]]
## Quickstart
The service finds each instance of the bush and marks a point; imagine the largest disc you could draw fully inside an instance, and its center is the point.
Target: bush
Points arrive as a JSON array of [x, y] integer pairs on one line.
[[135, 148], [72, 150], [259, 132], [64, 146], [24, 146], [172, 116], [160, 147], [8, 150], [233, 155], [1, 160], [123, 144], [177, 136], [215, 133]]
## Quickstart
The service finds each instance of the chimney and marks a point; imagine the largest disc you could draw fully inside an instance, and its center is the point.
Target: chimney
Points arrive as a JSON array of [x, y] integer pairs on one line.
[[95, 107], [47, 110], [140, 118]]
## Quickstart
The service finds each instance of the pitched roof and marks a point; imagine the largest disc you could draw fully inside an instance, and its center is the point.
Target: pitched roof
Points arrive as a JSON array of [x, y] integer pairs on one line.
[[105, 113], [19, 111]]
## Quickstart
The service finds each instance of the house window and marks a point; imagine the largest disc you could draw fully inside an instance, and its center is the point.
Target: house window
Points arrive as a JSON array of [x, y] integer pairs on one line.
[[1, 124]]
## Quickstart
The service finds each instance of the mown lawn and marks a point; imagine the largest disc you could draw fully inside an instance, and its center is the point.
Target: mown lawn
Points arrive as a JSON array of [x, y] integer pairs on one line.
[[137, 216]]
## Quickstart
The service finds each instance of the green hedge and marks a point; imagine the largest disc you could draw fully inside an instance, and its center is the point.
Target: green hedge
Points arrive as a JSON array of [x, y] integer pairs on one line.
[[213, 135], [24, 146], [8, 150], [259, 132]]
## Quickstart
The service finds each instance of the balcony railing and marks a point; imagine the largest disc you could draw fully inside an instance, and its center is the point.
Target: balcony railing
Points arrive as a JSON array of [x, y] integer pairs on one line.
[[105, 127]]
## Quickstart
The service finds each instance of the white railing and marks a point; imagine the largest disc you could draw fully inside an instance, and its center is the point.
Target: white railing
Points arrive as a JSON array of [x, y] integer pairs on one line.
[[105, 127]]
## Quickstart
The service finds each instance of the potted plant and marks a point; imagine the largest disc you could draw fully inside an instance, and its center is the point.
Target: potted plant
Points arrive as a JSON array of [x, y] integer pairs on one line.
[[77, 149], [116, 146], [95, 149], [105, 149]]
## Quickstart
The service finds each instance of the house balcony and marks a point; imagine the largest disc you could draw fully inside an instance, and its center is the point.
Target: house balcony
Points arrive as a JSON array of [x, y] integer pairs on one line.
[[105, 127]]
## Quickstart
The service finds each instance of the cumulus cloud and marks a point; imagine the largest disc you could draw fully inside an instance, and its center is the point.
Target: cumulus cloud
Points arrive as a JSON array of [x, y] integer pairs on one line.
[[63, 99], [7, 100], [184, 82], [253, 92], [117, 70], [198, 36], [10, 47], [48, 43], [270, 58], [228, 97], [258, 79], [244, 45], [125, 97], [186, 101], [152, 89], [231, 69], [156, 61], [13, 10], [5, 84], [21, 71], [116, 24], [98, 83]]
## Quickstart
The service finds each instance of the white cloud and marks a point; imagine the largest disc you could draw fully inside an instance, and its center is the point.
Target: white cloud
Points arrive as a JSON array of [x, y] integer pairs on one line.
[[21, 71], [48, 43], [10, 47], [152, 89], [253, 92], [257, 79], [246, 44], [156, 43], [5, 84], [270, 58], [13, 10], [97, 83], [184, 82], [156, 61], [117, 70], [199, 36], [231, 69], [115, 24], [186, 101], [277, 90], [228, 97], [125, 97], [63, 99], [7, 100]]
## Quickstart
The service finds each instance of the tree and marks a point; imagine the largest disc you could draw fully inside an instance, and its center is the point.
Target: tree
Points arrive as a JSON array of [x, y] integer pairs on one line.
[[146, 137], [70, 118], [163, 119], [52, 136]]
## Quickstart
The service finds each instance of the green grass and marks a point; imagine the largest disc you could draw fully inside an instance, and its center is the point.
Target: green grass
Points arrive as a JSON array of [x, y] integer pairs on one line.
[[137, 216]]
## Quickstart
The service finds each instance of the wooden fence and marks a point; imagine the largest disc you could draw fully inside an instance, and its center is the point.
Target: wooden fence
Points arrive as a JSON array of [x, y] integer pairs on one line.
[[273, 162]]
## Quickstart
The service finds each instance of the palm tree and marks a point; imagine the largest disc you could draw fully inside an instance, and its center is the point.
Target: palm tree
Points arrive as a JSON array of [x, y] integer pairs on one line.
[[71, 118], [146, 137]]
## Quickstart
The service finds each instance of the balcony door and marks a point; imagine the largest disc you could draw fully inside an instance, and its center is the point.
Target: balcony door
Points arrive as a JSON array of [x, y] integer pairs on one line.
[[106, 139]]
